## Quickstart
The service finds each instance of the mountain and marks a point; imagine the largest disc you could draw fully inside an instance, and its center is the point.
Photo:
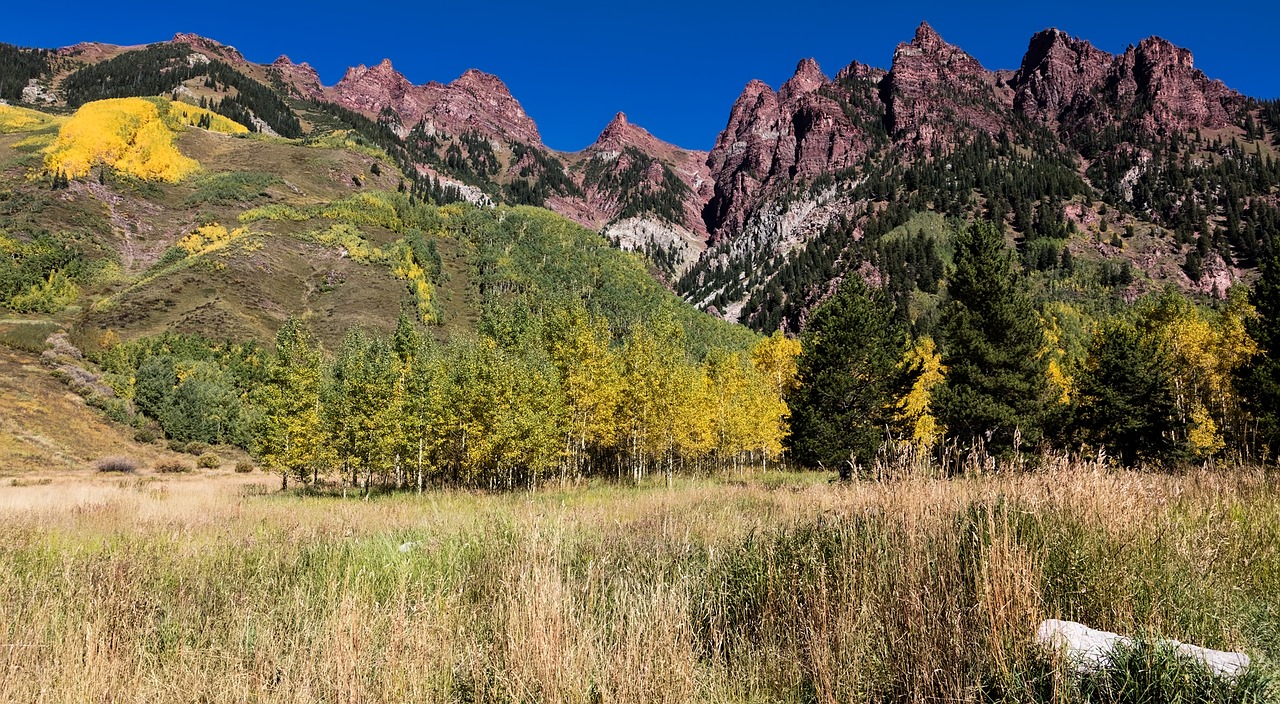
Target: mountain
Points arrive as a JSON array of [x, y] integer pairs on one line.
[[1072, 147], [1069, 148]]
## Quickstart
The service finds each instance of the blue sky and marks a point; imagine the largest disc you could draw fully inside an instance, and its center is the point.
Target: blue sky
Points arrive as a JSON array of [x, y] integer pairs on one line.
[[673, 66]]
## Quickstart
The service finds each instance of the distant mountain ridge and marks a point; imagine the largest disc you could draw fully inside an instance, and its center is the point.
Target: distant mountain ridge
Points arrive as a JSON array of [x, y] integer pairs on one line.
[[795, 163]]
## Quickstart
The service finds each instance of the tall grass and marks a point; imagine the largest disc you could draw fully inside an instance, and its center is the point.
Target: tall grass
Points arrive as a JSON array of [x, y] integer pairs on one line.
[[778, 589]]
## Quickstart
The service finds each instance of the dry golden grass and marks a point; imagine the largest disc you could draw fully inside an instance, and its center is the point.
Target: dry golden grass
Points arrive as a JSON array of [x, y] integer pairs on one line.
[[772, 588]]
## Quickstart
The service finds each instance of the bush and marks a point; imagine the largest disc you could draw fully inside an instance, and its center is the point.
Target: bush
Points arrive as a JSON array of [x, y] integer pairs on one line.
[[145, 436], [117, 464], [244, 467], [172, 466], [209, 461], [177, 446], [197, 448]]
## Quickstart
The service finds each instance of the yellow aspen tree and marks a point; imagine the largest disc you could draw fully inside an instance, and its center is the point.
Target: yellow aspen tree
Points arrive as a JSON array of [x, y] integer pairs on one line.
[[914, 407], [775, 357], [591, 383]]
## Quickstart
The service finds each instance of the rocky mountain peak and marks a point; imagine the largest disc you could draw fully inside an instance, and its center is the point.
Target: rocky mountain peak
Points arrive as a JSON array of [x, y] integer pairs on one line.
[[621, 133], [927, 39], [1157, 51], [619, 130], [204, 44], [928, 47], [807, 78], [481, 101], [474, 79], [1057, 72], [935, 89], [301, 79], [1180, 96]]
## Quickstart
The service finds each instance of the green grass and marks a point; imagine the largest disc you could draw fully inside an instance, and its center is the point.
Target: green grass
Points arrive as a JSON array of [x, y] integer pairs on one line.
[[26, 335], [231, 187]]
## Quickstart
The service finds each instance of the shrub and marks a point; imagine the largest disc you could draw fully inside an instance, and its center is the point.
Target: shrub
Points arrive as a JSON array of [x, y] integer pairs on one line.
[[197, 448], [209, 461], [172, 466], [145, 436], [177, 446], [117, 464], [244, 467]]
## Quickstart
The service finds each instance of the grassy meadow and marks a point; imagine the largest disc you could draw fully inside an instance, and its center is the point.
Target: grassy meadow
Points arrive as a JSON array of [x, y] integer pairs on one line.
[[215, 587]]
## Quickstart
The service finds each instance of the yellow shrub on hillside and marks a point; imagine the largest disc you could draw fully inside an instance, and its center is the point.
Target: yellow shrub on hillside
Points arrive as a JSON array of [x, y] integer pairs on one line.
[[349, 240], [365, 208], [192, 115], [127, 134], [406, 267], [51, 295], [209, 238], [15, 119]]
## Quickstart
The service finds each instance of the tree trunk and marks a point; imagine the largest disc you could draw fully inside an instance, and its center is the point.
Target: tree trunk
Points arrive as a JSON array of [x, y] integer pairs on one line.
[[419, 465]]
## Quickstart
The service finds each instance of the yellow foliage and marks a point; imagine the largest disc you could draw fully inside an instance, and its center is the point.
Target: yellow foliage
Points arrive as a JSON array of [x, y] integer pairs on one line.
[[126, 134], [350, 240], [365, 208], [14, 119], [209, 238], [775, 357], [1207, 349], [1055, 317], [343, 139], [915, 405], [275, 212], [109, 340], [1203, 436], [191, 115], [407, 268]]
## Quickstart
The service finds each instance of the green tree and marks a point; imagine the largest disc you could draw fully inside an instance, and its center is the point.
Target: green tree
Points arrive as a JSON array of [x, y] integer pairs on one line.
[[363, 407], [996, 388], [1124, 397], [849, 380], [291, 437], [1260, 380]]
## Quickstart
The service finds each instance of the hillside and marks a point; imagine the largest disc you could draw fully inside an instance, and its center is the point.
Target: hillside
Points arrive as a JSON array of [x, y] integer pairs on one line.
[[1074, 145], [174, 245]]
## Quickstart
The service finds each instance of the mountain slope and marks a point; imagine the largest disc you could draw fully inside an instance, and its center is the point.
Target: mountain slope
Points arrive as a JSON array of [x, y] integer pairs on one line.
[[1073, 147], [1070, 148]]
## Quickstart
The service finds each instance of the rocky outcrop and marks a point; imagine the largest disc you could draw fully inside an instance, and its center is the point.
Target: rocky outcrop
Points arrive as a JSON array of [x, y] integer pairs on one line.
[[210, 47], [475, 101], [1160, 78], [1153, 87], [381, 89], [1058, 76], [935, 90], [300, 79], [479, 101], [617, 144], [801, 131]]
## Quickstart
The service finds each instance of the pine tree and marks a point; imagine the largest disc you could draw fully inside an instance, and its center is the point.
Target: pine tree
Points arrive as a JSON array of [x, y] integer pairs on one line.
[[849, 380], [996, 388], [1124, 398], [1260, 381]]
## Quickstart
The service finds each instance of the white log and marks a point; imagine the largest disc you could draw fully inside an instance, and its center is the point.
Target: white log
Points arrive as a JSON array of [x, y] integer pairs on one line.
[[1090, 649]]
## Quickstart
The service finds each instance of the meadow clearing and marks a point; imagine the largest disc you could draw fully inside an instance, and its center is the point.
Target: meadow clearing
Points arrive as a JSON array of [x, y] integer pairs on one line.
[[215, 587]]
